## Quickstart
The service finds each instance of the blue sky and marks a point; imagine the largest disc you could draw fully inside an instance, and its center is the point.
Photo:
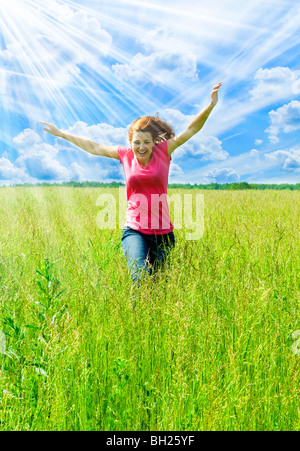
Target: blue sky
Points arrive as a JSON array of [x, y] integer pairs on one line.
[[91, 67]]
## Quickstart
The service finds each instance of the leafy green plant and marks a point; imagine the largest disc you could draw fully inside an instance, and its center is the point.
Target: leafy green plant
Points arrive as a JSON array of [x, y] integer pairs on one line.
[[208, 347]]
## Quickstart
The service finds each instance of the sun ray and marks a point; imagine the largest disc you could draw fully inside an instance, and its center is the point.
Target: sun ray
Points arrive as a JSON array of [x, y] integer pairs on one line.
[[67, 61], [36, 67]]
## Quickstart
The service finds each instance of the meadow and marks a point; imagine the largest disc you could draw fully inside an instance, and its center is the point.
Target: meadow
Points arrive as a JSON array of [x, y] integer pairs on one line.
[[208, 347]]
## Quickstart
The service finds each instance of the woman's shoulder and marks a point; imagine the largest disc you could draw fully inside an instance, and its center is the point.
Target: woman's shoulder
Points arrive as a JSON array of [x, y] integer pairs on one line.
[[124, 152], [162, 149]]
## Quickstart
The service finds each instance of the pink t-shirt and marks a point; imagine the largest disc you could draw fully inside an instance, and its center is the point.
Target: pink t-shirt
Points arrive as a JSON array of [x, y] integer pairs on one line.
[[146, 190]]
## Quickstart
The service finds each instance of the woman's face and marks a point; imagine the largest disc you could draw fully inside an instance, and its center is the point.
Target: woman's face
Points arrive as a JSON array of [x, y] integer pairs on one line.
[[142, 145]]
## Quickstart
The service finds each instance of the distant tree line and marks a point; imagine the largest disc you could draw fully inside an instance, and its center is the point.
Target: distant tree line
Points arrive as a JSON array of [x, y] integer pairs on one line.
[[209, 186], [238, 186], [73, 184]]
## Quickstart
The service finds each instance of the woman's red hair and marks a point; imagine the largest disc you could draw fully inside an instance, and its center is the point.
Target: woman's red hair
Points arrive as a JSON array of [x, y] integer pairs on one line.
[[160, 130]]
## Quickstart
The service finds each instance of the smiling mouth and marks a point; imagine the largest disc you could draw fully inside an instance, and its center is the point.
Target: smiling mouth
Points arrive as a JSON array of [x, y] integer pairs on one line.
[[142, 153]]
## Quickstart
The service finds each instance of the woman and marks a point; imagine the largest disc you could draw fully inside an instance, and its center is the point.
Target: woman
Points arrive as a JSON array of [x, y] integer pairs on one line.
[[148, 233]]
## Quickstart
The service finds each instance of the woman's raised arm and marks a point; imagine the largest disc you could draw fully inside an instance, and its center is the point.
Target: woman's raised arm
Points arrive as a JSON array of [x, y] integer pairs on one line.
[[84, 143], [196, 124]]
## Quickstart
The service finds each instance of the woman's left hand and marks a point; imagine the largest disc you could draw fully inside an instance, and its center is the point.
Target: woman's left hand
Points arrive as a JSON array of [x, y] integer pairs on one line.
[[214, 94]]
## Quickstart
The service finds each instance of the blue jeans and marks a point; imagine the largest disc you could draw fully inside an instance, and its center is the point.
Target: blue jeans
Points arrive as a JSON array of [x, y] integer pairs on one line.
[[145, 253]]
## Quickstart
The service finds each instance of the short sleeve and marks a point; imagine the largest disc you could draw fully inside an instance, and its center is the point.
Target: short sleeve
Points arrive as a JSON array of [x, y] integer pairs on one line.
[[122, 152], [163, 147]]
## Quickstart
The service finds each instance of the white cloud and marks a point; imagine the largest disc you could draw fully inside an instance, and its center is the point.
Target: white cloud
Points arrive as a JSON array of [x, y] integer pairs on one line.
[[207, 147], [79, 173], [285, 118], [43, 167], [275, 83], [37, 158], [164, 39], [231, 111], [161, 67], [224, 175], [289, 160], [169, 58], [296, 87], [201, 145], [8, 171], [47, 50], [83, 172], [102, 133], [27, 138], [175, 170], [40, 161]]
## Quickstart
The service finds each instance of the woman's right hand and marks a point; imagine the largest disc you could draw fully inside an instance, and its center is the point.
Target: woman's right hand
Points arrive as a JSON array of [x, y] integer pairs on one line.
[[214, 94], [52, 129]]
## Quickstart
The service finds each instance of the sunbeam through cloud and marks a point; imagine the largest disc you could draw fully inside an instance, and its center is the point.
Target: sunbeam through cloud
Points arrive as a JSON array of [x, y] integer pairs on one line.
[[95, 66]]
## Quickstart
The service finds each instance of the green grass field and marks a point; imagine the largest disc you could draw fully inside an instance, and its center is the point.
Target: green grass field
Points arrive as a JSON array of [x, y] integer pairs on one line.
[[209, 346]]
